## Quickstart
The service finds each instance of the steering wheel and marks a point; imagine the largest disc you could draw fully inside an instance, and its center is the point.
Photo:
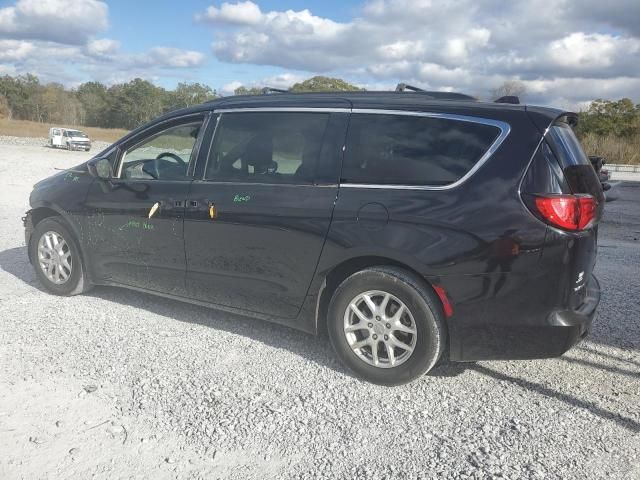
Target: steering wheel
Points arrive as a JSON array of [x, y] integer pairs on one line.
[[172, 155]]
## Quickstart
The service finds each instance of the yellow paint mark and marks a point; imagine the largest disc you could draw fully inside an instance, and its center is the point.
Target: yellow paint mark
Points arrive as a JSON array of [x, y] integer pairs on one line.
[[154, 209]]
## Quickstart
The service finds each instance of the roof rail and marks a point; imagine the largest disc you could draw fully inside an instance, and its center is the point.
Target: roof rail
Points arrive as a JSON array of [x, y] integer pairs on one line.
[[401, 87], [268, 90], [508, 99]]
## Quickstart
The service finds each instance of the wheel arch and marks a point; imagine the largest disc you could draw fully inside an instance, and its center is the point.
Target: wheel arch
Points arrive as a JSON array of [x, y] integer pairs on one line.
[[347, 268], [41, 212]]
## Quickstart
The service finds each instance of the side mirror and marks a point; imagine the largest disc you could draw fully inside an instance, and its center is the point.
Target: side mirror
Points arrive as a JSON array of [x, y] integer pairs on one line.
[[100, 168]]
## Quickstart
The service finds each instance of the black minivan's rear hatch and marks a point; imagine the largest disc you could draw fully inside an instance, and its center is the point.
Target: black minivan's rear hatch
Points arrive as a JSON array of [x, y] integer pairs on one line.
[[576, 166], [583, 181], [562, 189]]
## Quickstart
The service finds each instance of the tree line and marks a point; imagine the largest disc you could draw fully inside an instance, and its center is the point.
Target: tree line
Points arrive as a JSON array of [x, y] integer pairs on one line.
[[606, 118], [93, 104], [128, 105]]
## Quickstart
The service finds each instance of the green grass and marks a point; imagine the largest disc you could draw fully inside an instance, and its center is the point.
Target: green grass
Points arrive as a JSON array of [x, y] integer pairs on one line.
[[613, 149]]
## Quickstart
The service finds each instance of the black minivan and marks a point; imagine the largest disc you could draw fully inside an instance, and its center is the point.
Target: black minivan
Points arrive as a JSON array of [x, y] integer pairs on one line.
[[411, 226]]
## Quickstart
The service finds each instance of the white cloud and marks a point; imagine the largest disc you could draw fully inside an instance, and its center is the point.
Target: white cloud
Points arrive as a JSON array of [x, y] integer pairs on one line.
[[574, 93], [592, 51], [241, 13], [403, 49], [63, 21], [98, 60], [229, 88], [14, 50], [172, 57], [102, 47], [46, 37], [283, 80], [468, 45]]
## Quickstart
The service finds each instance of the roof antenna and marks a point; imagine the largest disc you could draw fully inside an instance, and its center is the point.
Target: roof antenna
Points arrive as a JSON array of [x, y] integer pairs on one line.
[[268, 90], [508, 99]]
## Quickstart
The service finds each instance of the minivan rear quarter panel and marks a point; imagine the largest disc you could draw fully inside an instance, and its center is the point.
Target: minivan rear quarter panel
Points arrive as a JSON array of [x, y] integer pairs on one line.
[[476, 240]]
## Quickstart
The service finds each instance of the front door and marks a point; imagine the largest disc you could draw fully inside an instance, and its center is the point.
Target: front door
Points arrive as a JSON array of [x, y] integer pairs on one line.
[[259, 218], [135, 223], [56, 137]]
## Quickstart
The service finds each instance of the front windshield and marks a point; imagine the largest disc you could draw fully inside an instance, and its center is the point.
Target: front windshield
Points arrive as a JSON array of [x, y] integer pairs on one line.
[[75, 133]]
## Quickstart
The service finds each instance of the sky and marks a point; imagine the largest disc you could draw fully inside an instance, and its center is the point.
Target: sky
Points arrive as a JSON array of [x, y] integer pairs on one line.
[[565, 52]]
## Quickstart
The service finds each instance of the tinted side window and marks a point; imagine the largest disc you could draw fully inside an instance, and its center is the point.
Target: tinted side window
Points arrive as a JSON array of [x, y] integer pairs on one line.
[[268, 147], [412, 150], [569, 149], [162, 156], [577, 169]]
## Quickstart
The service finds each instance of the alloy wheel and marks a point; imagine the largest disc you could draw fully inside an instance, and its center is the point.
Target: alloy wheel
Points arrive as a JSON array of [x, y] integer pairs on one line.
[[54, 257], [380, 329]]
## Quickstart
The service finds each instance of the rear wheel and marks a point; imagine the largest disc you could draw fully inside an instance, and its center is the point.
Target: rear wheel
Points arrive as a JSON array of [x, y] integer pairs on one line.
[[386, 325], [56, 257]]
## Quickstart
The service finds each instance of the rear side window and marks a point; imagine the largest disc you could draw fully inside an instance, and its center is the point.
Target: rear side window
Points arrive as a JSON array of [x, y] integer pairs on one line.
[[577, 169], [413, 150], [267, 147], [569, 149]]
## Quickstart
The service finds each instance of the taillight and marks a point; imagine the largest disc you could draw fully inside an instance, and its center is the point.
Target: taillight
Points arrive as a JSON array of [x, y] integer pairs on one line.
[[571, 212]]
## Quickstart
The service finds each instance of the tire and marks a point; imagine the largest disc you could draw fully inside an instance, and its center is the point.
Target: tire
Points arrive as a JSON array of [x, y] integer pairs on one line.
[[76, 281], [424, 318], [68, 146]]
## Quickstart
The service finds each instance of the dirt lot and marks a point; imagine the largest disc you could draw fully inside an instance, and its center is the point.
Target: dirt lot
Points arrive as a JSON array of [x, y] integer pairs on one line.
[[117, 384]]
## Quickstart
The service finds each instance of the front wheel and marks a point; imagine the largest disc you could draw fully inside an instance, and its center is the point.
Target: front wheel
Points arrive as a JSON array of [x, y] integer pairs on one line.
[[56, 258], [386, 325]]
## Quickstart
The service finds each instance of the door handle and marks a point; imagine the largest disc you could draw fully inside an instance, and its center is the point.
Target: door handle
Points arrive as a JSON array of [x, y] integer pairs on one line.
[[154, 209]]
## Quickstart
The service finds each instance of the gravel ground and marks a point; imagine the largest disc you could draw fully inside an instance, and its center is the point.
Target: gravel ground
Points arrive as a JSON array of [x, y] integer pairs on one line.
[[117, 384]]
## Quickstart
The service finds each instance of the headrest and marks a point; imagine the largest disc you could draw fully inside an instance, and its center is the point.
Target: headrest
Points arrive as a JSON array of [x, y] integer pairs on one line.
[[259, 152]]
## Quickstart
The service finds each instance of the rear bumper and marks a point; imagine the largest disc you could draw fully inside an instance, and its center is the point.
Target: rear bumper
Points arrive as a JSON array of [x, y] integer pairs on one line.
[[557, 333]]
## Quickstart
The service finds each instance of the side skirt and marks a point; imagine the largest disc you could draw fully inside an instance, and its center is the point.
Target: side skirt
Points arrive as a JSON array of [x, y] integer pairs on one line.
[[287, 322]]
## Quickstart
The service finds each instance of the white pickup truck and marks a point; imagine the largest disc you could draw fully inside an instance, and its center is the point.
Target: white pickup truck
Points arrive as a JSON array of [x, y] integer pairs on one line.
[[69, 138]]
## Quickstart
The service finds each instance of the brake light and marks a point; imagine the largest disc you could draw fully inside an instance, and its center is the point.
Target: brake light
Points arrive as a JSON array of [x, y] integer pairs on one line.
[[571, 212]]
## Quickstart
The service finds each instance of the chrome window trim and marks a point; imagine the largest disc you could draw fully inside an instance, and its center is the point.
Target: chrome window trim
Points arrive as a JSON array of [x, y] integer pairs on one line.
[[265, 184], [504, 128]]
